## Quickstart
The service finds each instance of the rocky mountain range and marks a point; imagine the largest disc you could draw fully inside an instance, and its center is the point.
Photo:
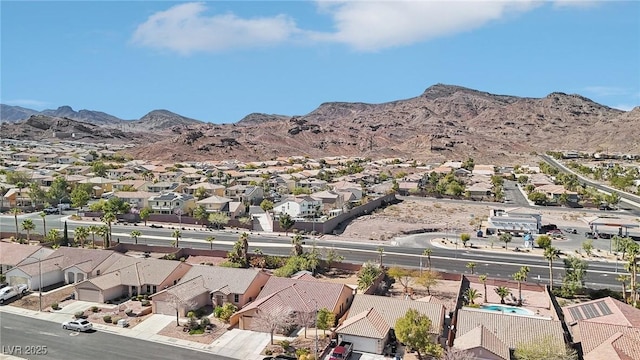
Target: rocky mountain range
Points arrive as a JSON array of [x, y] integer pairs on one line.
[[444, 122]]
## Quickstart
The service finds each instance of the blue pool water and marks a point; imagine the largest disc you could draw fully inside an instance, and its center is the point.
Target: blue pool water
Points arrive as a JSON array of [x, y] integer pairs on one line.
[[507, 309]]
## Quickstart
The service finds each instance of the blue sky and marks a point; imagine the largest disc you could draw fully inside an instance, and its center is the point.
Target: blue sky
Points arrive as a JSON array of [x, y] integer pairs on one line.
[[219, 61]]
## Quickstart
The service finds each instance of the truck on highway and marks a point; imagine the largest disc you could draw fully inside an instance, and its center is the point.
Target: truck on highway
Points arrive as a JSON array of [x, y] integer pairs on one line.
[[342, 351]]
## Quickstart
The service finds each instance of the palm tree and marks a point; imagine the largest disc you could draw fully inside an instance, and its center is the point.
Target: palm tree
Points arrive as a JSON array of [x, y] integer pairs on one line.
[[471, 266], [135, 234], [623, 280], [502, 291], [177, 234], [109, 218], [52, 236], [483, 279], [28, 225], [632, 267], [551, 253], [103, 231], [380, 251], [244, 248], [472, 295], [81, 234], [210, 240], [93, 229], [506, 239], [519, 276], [43, 215], [15, 212], [296, 241], [427, 253]]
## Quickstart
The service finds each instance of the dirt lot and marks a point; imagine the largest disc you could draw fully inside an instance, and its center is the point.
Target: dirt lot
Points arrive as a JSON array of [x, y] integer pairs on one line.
[[411, 215], [32, 301], [218, 328], [117, 312]]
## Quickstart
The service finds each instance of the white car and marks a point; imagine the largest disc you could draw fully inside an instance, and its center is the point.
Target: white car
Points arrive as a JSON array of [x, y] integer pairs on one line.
[[9, 292], [77, 325]]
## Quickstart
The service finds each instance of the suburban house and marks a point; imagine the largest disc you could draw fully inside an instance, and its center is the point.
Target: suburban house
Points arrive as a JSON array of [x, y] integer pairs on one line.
[[12, 254], [246, 194], [492, 335], [299, 206], [371, 318], [209, 189], [300, 296], [330, 199], [168, 203], [65, 265], [206, 285], [604, 329], [137, 199], [165, 186], [130, 276], [555, 192], [215, 203], [129, 185]]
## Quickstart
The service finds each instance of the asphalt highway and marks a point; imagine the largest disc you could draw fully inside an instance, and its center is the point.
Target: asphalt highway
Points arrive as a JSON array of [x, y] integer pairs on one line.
[[30, 338]]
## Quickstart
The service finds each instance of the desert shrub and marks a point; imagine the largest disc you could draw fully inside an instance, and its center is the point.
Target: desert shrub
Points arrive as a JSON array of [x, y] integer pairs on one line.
[[130, 313], [115, 320], [302, 351], [94, 309], [217, 311], [145, 303], [285, 344], [205, 321], [268, 352], [227, 310], [79, 315], [55, 306], [107, 319], [191, 314], [196, 331]]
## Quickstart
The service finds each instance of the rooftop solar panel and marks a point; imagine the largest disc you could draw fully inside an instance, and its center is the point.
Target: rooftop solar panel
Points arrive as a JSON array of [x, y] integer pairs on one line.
[[604, 309], [575, 313], [590, 311]]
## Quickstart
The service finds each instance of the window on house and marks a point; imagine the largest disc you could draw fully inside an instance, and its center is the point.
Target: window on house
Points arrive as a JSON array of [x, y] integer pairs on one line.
[[236, 298], [98, 272], [155, 289], [148, 289]]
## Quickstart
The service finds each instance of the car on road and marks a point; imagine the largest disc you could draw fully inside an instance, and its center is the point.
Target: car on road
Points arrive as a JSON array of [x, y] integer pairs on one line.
[[50, 210], [77, 325], [9, 292], [571, 231]]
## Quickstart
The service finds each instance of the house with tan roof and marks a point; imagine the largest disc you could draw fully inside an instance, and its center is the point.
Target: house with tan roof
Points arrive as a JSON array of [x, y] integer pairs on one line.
[[12, 254], [604, 329], [206, 285], [66, 265], [492, 335], [209, 189], [130, 276], [299, 296], [371, 318]]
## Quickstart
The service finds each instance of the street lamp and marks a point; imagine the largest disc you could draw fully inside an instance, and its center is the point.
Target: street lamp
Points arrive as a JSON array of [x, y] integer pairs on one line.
[[40, 277], [315, 325]]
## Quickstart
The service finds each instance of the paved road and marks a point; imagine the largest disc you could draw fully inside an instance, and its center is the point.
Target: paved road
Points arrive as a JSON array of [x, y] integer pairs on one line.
[[631, 202], [403, 253], [25, 333]]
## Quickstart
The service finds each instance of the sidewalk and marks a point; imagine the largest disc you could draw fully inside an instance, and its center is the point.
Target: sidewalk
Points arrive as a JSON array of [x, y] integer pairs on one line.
[[239, 344]]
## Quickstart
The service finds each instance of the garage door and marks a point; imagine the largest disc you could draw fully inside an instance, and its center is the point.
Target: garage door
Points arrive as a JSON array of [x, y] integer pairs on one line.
[[164, 307], [89, 295], [363, 344]]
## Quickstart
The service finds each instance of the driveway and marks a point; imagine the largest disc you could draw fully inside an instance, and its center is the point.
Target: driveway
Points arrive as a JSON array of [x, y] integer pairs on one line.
[[241, 344]]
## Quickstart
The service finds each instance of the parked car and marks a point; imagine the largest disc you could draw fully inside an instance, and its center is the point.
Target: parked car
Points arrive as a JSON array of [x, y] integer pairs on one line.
[[50, 210], [571, 231], [590, 235], [77, 325], [9, 292]]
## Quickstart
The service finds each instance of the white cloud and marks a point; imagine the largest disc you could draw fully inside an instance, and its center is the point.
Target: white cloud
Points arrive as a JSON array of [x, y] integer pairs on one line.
[[575, 3], [371, 25], [27, 103], [185, 29], [363, 25]]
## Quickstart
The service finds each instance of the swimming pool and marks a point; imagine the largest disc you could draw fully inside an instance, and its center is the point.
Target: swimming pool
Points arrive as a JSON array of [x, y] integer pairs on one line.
[[506, 309]]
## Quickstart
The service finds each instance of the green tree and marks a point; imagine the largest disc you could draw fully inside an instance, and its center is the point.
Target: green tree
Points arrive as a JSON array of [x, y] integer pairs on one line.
[[331, 256], [538, 198], [99, 169], [15, 212], [103, 232], [483, 279], [286, 222], [135, 234], [403, 276], [218, 219], [43, 215], [519, 276], [177, 234], [210, 240], [93, 230], [623, 279], [545, 348], [367, 275], [428, 279], [53, 236], [464, 237], [587, 246], [551, 253], [296, 241], [28, 226], [144, 214], [200, 193], [471, 266], [58, 191], [15, 177], [109, 218], [266, 205], [427, 252], [80, 234], [65, 235], [506, 239], [325, 319], [575, 272], [200, 213], [413, 330], [502, 292], [471, 295], [79, 197], [543, 241], [468, 164], [36, 193]]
